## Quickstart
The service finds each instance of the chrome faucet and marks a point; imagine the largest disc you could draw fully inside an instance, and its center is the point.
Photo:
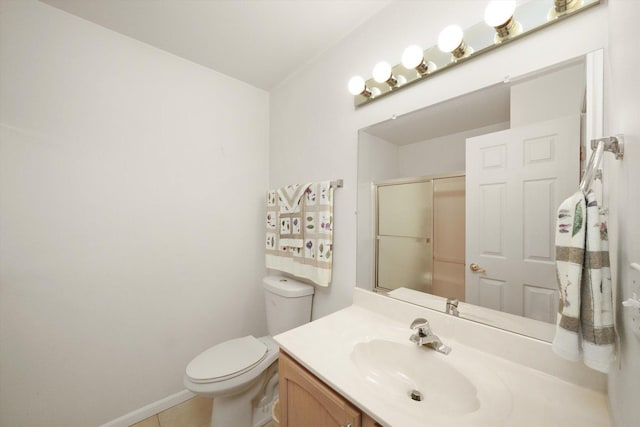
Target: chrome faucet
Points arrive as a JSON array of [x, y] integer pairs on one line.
[[452, 306], [424, 336]]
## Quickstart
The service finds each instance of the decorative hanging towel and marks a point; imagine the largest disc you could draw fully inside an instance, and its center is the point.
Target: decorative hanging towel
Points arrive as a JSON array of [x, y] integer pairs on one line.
[[598, 333], [304, 249], [290, 214], [585, 317], [570, 241]]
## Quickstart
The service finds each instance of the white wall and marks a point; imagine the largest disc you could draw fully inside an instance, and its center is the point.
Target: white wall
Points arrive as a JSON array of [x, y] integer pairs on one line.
[[131, 186], [622, 110], [554, 95], [313, 124], [442, 155], [377, 161]]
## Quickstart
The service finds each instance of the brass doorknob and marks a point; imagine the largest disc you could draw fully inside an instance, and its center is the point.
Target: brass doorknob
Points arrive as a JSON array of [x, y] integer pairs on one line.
[[476, 268]]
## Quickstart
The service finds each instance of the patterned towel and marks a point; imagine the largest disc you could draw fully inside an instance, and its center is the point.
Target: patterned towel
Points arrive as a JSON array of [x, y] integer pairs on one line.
[[570, 234], [313, 258], [290, 214], [585, 321], [598, 333]]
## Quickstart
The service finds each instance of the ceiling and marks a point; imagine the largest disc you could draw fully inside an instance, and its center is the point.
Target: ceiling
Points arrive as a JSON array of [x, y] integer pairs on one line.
[[472, 111], [260, 42]]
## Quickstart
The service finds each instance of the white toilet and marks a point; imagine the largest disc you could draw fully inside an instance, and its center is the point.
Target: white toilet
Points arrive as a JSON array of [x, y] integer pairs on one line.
[[242, 374]]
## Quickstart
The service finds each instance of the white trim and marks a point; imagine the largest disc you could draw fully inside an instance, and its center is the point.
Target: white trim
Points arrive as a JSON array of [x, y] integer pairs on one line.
[[594, 115], [150, 409], [595, 95]]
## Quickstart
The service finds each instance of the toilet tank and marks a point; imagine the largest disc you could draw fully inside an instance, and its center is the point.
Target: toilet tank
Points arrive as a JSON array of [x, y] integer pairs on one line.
[[288, 303]]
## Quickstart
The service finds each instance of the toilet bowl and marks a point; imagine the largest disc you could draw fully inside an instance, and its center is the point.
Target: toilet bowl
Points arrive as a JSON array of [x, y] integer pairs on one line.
[[242, 374], [234, 373]]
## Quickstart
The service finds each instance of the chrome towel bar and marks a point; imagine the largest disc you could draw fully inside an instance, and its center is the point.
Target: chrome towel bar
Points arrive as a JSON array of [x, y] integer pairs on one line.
[[612, 144]]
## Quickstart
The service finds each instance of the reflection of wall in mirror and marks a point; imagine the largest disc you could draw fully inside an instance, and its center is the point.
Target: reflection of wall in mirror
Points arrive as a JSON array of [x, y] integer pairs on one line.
[[441, 155], [374, 165], [550, 96]]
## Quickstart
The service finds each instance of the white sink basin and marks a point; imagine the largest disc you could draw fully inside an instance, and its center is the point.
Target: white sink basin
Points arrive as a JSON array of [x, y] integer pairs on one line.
[[401, 370], [455, 389]]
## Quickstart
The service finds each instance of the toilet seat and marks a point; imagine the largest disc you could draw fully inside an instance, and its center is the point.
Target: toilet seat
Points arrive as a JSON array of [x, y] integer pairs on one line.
[[227, 360], [235, 384]]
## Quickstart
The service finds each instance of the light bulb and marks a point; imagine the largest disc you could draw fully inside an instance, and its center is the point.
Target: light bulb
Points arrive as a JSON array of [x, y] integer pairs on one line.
[[357, 85], [412, 57], [499, 12], [382, 72], [499, 15], [450, 38]]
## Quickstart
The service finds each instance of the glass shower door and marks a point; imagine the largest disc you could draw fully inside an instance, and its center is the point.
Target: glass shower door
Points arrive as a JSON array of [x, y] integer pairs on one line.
[[404, 236]]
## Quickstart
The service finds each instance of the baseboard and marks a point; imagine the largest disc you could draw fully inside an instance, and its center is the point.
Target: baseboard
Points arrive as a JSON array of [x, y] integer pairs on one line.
[[150, 409]]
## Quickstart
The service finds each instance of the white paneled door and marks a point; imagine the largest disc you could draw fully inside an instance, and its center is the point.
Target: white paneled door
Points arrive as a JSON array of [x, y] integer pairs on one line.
[[516, 178]]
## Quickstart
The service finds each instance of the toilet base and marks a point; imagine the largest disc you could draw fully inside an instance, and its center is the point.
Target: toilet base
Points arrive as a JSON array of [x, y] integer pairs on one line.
[[262, 414], [241, 410]]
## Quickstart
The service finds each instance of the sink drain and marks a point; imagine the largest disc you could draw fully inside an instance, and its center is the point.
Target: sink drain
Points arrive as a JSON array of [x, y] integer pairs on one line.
[[415, 395]]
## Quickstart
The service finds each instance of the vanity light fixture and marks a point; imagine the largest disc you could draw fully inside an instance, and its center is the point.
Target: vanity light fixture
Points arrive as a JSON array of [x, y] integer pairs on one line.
[[499, 15], [357, 86], [451, 40], [413, 58], [504, 21]]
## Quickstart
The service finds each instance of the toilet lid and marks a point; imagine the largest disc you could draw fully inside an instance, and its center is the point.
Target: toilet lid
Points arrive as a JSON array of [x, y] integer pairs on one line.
[[227, 360]]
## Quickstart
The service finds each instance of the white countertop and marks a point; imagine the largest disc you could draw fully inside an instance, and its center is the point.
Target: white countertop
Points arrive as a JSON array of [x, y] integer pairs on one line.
[[509, 393]]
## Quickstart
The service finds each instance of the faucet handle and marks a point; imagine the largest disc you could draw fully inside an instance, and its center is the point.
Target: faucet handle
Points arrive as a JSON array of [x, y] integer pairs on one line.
[[452, 306], [420, 324]]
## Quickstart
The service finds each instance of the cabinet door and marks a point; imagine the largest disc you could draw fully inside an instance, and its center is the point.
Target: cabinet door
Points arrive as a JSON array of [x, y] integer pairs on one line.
[[367, 421], [305, 401]]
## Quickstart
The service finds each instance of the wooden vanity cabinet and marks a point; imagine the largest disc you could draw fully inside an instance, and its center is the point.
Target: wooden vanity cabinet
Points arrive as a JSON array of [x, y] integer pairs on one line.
[[305, 401]]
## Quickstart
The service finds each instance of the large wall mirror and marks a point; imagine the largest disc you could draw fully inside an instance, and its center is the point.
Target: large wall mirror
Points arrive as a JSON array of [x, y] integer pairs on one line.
[[458, 200]]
